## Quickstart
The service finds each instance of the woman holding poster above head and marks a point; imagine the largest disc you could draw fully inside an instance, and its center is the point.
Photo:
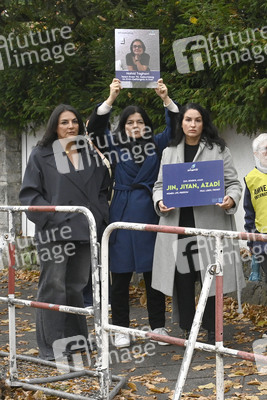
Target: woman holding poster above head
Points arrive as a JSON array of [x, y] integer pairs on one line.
[[135, 153], [178, 264], [137, 59]]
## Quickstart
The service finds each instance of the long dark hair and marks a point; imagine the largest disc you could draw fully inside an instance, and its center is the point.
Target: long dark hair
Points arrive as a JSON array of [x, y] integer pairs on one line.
[[50, 134], [131, 143], [137, 40], [120, 132], [209, 134]]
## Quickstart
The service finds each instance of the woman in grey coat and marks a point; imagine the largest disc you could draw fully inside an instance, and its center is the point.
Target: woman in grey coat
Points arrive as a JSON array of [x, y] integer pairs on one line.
[[63, 170], [196, 140]]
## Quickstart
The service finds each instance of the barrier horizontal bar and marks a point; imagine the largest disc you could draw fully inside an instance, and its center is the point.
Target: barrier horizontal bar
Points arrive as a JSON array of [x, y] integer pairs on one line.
[[80, 209], [11, 301], [218, 347], [31, 384], [54, 392], [40, 361], [47, 306], [186, 231], [183, 343]]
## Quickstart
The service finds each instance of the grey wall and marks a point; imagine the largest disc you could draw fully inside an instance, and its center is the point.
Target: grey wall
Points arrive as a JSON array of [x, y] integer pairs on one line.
[[241, 150], [10, 176], [10, 181]]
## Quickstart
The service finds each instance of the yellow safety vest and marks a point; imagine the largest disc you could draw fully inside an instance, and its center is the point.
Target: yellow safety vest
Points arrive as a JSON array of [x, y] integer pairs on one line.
[[257, 185]]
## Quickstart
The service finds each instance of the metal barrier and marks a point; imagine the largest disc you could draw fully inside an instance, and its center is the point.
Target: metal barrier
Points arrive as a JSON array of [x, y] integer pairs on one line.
[[213, 270], [33, 384]]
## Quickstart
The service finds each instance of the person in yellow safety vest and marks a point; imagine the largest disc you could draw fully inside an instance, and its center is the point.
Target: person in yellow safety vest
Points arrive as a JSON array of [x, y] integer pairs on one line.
[[255, 202]]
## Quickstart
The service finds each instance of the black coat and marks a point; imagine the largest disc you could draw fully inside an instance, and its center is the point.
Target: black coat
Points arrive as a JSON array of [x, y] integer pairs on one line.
[[43, 184]]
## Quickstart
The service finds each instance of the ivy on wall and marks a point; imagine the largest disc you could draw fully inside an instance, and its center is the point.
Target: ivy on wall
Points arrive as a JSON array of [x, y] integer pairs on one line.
[[229, 43]]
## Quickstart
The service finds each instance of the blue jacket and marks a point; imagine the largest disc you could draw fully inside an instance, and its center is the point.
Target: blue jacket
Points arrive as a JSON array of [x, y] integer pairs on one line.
[[132, 200]]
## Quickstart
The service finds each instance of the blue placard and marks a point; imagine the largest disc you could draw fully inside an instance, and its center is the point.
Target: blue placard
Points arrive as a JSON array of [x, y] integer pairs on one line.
[[137, 76], [193, 184]]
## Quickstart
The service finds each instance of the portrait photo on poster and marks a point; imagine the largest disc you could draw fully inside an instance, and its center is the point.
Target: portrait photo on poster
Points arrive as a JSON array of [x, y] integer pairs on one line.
[[137, 57]]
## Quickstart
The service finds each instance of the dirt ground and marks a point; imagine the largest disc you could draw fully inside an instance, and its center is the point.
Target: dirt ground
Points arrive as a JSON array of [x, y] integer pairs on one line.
[[150, 372]]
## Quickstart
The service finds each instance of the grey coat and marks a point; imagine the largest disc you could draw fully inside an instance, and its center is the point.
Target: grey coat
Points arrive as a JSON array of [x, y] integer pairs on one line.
[[44, 185], [206, 217]]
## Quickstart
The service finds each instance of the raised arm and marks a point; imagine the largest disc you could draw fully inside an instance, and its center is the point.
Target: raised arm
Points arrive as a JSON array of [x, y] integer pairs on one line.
[[114, 91], [162, 92], [99, 120], [171, 113]]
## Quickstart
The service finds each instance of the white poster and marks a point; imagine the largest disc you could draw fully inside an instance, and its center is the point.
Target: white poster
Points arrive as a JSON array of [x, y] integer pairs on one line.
[[137, 61]]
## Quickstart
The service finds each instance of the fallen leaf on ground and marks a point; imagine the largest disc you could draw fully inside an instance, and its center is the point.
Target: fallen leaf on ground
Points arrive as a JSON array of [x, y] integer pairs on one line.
[[132, 386], [204, 366], [176, 357], [207, 386]]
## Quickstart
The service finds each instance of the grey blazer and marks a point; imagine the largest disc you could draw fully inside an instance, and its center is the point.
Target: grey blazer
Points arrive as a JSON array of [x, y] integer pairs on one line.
[[43, 184]]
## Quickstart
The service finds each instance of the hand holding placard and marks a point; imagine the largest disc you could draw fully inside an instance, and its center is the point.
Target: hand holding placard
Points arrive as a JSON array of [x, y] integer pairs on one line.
[[162, 91], [227, 203], [163, 208], [114, 90]]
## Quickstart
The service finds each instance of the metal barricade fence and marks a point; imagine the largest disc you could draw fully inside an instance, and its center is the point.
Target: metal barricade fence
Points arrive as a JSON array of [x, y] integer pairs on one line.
[[215, 269], [33, 384]]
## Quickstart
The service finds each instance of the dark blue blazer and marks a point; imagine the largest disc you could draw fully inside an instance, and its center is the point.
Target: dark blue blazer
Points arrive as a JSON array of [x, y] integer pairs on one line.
[[132, 200]]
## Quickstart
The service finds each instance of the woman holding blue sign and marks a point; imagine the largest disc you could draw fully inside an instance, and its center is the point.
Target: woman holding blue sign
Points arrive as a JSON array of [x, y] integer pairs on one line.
[[196, 140]]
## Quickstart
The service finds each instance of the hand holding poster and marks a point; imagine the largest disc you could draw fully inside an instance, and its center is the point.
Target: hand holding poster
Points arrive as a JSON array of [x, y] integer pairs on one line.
[[137, 62], [193, 184]]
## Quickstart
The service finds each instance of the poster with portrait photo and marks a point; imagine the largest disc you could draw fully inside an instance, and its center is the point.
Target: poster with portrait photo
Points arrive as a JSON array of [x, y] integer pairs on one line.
[[137, 60]]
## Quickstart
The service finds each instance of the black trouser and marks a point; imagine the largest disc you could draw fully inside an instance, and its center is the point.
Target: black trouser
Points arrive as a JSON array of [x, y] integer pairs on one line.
[[120, 301], [263, 264], [185, 287], [62, 281]]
